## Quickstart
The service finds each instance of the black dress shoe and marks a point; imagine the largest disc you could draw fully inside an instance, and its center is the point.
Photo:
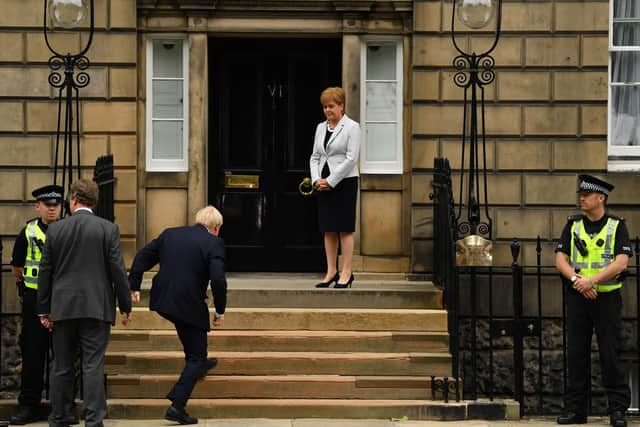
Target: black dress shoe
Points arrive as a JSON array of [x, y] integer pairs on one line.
[[618, 419], [210, 363], [179, 416], [571, 418], [327, 284], [71, 420], [26, 415]]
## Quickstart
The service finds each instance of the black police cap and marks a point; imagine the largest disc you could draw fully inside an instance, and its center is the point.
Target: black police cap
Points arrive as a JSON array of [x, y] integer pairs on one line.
[[591, 184], [48, 194]]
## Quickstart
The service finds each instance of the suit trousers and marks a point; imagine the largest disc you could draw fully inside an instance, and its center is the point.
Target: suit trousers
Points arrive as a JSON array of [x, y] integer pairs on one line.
[[194, 343], [603, 314], [91, 336], [34, 345]]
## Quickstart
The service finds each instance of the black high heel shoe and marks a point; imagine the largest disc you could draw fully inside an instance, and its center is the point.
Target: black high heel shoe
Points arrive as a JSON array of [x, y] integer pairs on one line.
[[344, 285], [327, 284]]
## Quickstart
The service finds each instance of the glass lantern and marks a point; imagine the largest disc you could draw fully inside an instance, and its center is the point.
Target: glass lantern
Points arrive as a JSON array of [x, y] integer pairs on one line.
[[67, 13], [475, 13]]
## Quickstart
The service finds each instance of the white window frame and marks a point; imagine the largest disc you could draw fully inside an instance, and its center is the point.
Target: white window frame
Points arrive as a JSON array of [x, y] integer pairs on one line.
[[379, 166], [167, 165], [620, 158]]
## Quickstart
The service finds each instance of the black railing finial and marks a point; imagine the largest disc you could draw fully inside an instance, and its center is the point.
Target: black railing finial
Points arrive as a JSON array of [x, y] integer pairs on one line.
[[515, 250]]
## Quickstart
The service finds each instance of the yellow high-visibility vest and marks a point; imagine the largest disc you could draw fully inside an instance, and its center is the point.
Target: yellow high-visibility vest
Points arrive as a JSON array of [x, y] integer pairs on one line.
[[599, 256], [35, 240]]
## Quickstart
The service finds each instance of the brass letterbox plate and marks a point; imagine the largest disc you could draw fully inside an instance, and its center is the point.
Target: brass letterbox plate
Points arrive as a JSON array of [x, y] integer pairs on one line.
[[242, 181]]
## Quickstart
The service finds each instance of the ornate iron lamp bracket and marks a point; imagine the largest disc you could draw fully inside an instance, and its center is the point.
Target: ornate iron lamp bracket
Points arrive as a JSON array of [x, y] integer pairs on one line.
[[64, 78]]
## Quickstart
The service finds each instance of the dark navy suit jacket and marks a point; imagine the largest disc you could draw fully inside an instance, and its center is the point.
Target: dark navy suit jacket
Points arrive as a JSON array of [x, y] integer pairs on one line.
[[189, 258]]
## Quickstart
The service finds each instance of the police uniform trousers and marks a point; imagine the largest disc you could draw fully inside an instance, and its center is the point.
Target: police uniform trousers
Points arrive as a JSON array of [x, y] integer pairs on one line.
[[194, 344], [34, 345], [603, 314]]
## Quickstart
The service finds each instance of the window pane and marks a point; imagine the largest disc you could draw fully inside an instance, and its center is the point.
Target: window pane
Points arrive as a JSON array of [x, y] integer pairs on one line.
[[625, 67], [626, 8], [381, 102], [167, 140], [167, 99], [167, 58], [625, 116], [381, 142], [626, 33], [381, 61]]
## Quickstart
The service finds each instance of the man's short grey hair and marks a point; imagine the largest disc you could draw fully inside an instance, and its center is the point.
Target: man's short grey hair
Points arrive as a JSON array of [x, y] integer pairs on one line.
[[209, 217]]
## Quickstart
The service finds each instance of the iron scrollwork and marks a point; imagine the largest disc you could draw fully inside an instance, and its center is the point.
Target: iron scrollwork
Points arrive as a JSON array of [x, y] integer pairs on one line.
[[69, 63]]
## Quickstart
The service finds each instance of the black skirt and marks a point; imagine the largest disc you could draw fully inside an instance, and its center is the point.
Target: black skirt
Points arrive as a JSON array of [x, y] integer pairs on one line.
[[337, 207]]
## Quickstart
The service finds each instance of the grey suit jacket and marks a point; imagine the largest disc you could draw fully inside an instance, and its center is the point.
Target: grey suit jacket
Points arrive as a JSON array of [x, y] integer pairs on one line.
[[82, 270], [341, 153]]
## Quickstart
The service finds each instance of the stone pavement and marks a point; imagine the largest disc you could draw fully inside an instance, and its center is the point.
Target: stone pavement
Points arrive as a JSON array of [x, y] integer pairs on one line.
[[528, 422]]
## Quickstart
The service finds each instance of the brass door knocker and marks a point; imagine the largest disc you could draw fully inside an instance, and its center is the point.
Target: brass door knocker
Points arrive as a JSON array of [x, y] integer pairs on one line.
[[305, 188]]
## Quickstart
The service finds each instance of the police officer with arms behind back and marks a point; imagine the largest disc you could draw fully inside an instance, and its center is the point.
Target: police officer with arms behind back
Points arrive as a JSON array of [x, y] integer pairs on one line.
[[593, 251], [34, 339]]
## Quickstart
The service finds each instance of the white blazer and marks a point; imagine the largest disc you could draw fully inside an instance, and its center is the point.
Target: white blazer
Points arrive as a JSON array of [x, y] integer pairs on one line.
[[341, 153]]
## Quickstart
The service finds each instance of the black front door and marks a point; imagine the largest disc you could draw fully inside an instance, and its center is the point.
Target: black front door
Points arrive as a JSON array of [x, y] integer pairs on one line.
[[263, 112]]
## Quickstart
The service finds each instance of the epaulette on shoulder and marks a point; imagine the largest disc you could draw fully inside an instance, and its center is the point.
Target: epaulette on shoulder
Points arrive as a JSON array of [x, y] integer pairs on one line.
[[573, 218], [619, 218]]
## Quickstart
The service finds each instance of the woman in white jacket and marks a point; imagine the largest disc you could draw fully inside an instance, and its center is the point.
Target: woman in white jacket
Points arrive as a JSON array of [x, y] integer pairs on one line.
[[334, 173]]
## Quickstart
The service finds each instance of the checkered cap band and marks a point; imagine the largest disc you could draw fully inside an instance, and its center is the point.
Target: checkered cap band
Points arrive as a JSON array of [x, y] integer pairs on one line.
[[593, 188], [52, 195]]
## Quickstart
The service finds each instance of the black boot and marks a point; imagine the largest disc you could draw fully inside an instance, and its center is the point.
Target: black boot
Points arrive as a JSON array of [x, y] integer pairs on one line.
[[26, 415], [571, 418], [618, 419], [177, 414]]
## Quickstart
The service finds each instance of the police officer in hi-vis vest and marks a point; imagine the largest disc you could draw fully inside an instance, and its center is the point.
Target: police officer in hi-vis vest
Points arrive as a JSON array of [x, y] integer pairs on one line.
[[593, 251], [34, 339]]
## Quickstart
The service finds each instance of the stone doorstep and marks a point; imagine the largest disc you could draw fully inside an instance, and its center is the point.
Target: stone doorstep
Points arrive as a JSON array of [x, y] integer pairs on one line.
[[310, 319], [299, 281], [247, 340], [357, 297], [276, 386], [284, 363], [307, 408]]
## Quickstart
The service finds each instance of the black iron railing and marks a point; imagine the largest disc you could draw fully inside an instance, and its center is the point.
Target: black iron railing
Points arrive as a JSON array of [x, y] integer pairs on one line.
[[444, 272], [507, 322], [103, 176]]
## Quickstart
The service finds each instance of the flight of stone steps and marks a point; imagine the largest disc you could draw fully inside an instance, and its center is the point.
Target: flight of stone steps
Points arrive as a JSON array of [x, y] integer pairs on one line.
[[288, 350]]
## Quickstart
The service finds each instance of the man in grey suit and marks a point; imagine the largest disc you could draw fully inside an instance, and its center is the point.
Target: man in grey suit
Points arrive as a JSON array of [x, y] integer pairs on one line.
[[81, 275]]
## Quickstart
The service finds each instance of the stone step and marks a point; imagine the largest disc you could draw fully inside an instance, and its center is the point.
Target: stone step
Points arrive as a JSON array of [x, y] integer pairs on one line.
[[293, 408], [285, 363], [251, 340], [154, 409], [322, 319], [275, 387], [400, 294]]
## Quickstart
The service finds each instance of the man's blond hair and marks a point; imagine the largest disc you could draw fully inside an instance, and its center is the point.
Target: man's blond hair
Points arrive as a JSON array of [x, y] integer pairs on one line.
[[209, 216]]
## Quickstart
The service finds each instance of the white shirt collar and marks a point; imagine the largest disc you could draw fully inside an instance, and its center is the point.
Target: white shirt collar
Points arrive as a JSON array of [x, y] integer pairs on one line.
[[83, 209]]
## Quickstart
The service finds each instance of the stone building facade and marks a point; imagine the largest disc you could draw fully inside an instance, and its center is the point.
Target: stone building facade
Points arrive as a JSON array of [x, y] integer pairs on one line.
[[546, 112]]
